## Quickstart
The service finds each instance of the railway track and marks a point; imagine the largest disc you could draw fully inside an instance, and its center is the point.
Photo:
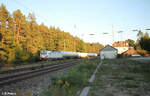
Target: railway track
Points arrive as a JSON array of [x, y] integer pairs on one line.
[[28, 68], [6, 80]]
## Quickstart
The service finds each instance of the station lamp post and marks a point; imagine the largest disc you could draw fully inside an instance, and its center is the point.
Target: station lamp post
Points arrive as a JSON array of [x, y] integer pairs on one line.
[[91, 34], [105, 33], [91, 42], [139, 34], [135, 30], [147, 29], [120, 32]]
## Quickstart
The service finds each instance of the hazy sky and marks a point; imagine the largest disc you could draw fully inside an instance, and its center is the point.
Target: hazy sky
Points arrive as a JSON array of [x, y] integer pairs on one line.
[[83, 17]]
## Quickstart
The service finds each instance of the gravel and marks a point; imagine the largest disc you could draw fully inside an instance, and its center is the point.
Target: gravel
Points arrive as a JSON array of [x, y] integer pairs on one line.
[[32, 86]]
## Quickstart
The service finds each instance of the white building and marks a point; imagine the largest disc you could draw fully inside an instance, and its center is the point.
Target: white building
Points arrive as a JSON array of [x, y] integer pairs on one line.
[[108, 52], [121, 46]]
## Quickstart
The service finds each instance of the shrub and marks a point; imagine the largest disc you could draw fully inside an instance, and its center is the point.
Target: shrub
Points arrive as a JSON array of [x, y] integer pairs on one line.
[[3, 55], [35, 57], [142, 52], [65, 84], [46, 92], [69, 83], [17, 58], [86, 67], [21, 56], [74, 78]]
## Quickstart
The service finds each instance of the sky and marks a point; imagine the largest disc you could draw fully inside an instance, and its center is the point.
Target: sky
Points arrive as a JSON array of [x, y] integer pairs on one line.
[[84, 17]]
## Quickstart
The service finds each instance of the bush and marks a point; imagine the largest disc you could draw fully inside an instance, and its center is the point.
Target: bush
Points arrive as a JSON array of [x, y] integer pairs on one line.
[[3, 55], [142, 52], [74, 78], [86, 67], [21, 56], [17, 58], [69, 83], [65, 84], [34, 58]]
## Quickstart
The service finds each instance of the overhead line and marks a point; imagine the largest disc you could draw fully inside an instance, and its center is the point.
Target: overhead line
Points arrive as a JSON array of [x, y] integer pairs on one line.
[[19, 3]]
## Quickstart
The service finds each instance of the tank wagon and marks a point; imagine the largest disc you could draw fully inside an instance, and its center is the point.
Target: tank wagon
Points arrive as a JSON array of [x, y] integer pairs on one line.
[[45, 54], [92, 54], [67, 54], [83, 55]]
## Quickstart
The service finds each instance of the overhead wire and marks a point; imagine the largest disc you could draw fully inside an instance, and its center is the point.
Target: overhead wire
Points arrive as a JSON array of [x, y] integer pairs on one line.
[[29, 9]]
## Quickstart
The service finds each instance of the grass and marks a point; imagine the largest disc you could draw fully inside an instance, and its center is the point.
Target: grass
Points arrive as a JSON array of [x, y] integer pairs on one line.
[[70, 83], [122, 77]]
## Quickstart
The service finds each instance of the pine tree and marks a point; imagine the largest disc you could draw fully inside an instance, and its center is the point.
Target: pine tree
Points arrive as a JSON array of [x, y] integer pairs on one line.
[[21, 38], [6, 32]]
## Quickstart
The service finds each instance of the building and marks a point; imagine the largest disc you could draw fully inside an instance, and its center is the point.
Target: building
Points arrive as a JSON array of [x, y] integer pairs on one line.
[[108, 52], [121, 46], [130, 52]]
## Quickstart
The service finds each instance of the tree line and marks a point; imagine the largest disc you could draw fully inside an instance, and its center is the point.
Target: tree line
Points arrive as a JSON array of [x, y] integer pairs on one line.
[[21, 38], [142, 45]]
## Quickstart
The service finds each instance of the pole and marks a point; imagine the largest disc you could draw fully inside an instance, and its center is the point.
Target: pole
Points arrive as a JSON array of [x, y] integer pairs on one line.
[[64, 44], [105, 33], [74, 45], [120, 36]]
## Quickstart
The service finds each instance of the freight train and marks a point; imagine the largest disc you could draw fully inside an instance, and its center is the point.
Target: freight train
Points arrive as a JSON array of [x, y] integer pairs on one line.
[[54, 55]]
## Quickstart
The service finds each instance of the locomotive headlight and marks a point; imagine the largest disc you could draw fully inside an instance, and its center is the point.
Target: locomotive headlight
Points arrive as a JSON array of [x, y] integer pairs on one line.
[[42, 56]]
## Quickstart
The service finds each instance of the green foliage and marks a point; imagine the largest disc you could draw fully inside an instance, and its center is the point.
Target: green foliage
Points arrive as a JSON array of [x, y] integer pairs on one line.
[[25, 56], [3, 55], [17, 29], [21, 56], [74, 78], [143, 43], [67, 84], [34, 58], [86, 67], [46, 92], [140, 34], [0, 36], [131, 42], [142, 52]]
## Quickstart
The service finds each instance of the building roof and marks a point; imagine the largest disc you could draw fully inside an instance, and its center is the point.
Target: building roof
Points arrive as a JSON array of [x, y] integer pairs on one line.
[[130, 51], [121, 44], [108, 48]]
